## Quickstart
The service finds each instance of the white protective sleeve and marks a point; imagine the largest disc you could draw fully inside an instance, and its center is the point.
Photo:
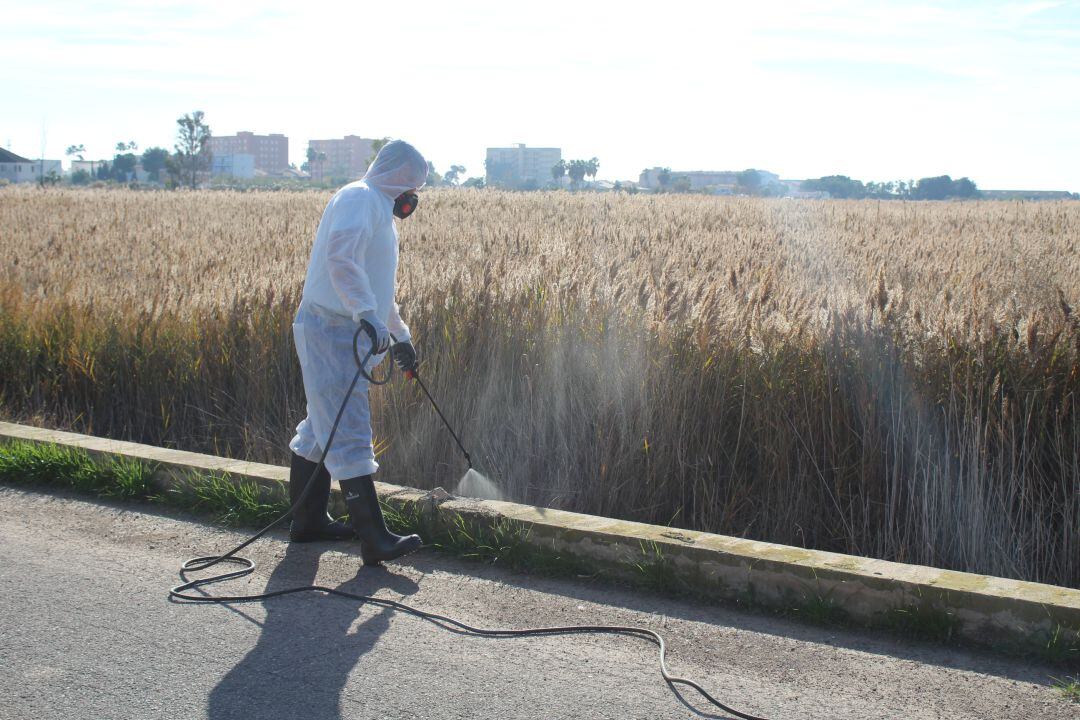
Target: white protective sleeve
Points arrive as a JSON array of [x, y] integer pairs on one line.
[[348, 278], [397, 326]]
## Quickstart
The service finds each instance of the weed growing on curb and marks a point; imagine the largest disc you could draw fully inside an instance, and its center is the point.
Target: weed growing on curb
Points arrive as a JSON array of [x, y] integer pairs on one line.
[[1062, 646], [654, 572], [820, 610], [922, 622], [504, 542], [1069, 687], [232, 501]]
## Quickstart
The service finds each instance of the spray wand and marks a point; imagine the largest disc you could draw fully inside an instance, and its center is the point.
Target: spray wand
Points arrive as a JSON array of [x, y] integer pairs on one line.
[[180, 592], [414, 375]]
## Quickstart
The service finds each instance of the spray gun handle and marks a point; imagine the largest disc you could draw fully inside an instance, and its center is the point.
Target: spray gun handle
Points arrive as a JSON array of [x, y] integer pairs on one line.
[[368, 328]]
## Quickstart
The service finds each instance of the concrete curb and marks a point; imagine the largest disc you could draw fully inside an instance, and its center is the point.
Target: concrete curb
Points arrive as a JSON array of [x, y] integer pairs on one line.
[[985, 610]]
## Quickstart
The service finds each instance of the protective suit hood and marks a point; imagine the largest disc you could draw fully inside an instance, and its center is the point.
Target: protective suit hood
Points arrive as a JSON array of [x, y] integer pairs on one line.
[[398, 167]]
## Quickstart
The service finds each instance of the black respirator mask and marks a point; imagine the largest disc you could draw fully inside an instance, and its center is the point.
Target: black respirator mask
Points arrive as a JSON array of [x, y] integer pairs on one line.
[[405, 204]]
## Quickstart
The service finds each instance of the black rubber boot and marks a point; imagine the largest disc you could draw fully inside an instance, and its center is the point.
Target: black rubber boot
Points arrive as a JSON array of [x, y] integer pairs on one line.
[[310, 521], [377, 544]]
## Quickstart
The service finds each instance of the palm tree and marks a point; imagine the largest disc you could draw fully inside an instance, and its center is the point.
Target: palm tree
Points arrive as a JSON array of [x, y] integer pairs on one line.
[[77, 151], [558, 170], [591, 166]]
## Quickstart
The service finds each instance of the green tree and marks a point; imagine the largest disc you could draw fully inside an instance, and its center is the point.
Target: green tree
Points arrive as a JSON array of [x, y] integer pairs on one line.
[[80, 177], [192, 146], [153, 161], [453, 175], [124, 162], [558, 170], [748, 181], [316, 164], [474, 182], [664, 178], [933, 188], [681, 184], [577, 169], [838, 186], [123, 166], [965, 188], [592, 165]]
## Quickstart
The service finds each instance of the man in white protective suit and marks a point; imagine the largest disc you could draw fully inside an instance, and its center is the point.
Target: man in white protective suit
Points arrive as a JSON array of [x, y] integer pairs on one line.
[[350, 284]]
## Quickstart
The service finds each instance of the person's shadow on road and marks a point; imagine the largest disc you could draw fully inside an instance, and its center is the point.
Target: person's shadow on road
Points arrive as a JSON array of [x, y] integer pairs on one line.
[[303, 657]]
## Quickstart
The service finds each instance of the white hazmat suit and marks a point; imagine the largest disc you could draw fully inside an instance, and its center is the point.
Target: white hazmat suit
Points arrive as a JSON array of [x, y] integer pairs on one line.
[[351, 274]]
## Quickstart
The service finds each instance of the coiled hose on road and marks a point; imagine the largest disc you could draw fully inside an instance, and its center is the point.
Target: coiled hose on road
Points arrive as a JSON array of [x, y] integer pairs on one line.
[[181, 592]]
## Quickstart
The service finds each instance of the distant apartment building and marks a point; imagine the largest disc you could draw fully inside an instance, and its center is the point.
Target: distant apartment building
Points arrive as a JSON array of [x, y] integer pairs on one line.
[[346, 157], [270, 152], [15, 168], [237, 165], [520, 166]]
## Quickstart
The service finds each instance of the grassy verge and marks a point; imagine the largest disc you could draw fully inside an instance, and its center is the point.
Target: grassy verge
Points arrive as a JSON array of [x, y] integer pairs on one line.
[[503, 542], [225, 499]]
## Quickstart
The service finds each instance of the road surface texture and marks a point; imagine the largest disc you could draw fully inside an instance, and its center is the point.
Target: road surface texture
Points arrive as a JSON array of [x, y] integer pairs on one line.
[[86, 631]]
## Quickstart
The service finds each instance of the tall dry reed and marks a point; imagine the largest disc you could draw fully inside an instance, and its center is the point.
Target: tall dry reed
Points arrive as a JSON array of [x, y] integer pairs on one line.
[[890, 379]]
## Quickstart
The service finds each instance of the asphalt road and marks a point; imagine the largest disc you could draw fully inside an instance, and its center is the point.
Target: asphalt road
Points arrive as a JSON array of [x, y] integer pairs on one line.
[[86, 631]]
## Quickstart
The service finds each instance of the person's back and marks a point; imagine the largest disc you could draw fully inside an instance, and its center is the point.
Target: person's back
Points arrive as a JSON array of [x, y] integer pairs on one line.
[[359, 210]]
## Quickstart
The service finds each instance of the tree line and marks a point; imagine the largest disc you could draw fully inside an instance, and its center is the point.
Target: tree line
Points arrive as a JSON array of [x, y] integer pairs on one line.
[[190, 157], [941, 187]]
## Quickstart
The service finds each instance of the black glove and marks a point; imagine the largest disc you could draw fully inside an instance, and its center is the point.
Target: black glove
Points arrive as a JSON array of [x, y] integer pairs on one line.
[[404, 355]]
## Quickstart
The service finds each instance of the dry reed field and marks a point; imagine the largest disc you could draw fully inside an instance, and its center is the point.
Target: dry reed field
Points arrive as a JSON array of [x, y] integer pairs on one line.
[[881, 378]]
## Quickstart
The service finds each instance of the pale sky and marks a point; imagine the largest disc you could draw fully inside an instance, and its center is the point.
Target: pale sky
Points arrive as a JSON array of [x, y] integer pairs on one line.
[[874, 90]]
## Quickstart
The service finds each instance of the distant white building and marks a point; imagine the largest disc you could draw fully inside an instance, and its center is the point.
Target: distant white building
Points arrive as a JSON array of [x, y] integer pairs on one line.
[[15, 168], [722, 182], [520, 166], [237, 165], [90, 167]]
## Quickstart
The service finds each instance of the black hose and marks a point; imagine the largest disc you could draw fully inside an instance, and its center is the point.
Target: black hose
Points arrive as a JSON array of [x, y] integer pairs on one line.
[[248, 566]]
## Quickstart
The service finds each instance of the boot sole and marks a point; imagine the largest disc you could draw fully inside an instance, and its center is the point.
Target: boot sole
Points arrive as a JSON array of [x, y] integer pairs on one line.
[[368, 560]]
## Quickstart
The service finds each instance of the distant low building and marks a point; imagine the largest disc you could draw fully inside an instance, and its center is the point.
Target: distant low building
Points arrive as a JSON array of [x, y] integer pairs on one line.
[[721, 182], [270, 152], [15, 168], [345, 158], [90, 167], [520, 166], [1029, 195], [237, 165], [655, 178]]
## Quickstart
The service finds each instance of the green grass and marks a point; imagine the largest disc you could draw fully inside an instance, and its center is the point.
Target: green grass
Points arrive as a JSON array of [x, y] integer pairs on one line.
[[231, 501], [820, 610], [24, 463], [1069, 687], [1062, 646], [504, 542]]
